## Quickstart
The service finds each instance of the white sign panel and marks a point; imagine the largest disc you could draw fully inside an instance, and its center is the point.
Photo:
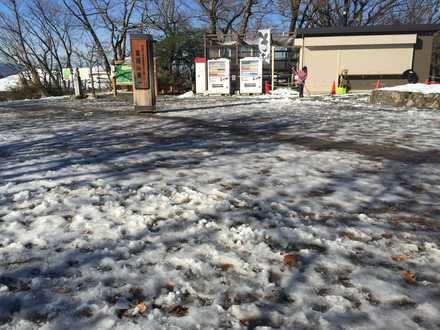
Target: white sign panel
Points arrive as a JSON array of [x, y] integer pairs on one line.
[[200, 75], [218, 76], [251, 75], [264, 43]]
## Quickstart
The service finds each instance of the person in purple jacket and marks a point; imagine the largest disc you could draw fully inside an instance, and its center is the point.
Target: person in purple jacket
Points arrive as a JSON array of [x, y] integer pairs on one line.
[[300, 77]]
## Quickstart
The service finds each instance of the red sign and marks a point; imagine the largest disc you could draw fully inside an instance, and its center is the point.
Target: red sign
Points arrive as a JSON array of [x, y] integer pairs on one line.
[[139, 63]]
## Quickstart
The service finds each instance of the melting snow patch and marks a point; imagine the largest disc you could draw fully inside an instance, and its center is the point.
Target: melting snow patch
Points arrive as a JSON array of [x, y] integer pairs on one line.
[[186, 95], [284, 93], [415, 88], [9, 83]]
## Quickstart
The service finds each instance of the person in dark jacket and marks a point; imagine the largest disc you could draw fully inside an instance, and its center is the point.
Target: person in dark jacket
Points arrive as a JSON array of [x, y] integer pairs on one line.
[[411, 76], [300, 78]]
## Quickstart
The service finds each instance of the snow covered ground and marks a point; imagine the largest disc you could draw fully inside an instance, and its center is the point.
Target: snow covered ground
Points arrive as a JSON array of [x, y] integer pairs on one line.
[[219, 213], [283, 93], [186, 95]]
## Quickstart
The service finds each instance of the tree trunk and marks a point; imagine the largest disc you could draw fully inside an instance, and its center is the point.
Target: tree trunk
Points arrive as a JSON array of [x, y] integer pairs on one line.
[[246, 16], [294, 12], [213, 16], [83, 18], [92, 81], [36, 81]]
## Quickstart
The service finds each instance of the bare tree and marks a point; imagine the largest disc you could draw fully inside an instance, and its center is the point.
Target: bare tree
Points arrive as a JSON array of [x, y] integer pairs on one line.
[[53, 17], [297, 12], [48, 24], [417, 12], [350, 12], [16, 44], [225, 16], [210, 9], [117, 17], [89, 56], [37, 35], [172, 21], [86, 16], [167, 16], [247, 13]]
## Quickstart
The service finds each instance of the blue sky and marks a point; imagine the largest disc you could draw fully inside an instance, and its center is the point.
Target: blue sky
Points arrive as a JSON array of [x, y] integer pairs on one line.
[[191, 7]]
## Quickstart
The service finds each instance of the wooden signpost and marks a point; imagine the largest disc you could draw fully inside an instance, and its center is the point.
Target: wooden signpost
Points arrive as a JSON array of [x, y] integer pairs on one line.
[[142, 64]]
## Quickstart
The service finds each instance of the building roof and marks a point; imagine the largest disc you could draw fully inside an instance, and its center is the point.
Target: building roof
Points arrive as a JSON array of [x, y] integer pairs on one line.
[[368, 30]]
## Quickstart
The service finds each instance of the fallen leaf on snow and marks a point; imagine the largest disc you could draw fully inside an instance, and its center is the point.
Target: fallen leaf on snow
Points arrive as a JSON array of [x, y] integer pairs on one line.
[[250, 322], [349, 236], [170, 286], [179, 310], [62, 290], [400, 258], [409, 277], [290, 260], [142, 308], [226, 266]]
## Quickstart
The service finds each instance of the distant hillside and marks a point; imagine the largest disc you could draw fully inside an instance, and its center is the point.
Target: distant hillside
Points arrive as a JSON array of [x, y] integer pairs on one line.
[[7, 69]]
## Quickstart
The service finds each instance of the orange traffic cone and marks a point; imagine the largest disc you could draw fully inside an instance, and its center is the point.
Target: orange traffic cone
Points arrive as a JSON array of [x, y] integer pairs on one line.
[[333, 90], [378, 84]]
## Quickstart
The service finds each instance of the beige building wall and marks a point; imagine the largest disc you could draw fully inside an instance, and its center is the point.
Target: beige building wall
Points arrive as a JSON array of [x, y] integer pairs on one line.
[[326, 57], [423, 57], [322, 69], [377, 59]]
